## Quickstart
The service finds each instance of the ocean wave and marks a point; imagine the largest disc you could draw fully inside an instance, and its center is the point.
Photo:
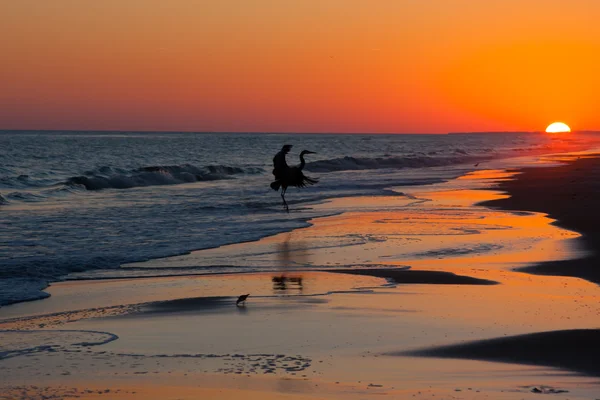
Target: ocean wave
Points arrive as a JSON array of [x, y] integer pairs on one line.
[[24, 197], [3, 201], [112, 178], [22, 181], [360, 163]]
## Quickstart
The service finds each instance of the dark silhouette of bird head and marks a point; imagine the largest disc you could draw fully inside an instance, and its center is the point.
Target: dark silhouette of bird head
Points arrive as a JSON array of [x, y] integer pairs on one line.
[[307, 152], [286, 148]]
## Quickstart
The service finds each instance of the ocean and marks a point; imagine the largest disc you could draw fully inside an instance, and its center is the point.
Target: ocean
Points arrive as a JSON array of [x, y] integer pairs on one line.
[[74, 203]]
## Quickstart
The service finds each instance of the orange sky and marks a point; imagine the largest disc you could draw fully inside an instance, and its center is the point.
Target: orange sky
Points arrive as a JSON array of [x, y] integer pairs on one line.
[[299, 65]]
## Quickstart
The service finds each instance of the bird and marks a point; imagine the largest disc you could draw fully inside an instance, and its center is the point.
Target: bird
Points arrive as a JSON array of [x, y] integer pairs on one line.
[[242, 299], [286, 176]]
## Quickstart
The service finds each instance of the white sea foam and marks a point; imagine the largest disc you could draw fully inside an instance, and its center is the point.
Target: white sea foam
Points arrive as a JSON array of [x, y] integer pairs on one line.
[[107, 178]]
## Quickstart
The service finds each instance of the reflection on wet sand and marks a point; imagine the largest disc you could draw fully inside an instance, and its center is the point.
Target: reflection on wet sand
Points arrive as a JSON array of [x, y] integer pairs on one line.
[[291, 251], [289, 256], [445, 231], [283, 283]]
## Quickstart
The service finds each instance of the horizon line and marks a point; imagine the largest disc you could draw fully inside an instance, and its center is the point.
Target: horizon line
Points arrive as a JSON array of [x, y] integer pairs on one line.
[[279, 132]]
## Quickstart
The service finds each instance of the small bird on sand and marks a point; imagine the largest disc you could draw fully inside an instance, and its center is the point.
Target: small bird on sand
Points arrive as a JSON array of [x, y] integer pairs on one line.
[[242, 299]]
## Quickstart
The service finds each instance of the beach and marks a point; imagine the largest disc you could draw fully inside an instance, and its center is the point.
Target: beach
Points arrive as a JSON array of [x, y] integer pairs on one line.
[[432, 294]]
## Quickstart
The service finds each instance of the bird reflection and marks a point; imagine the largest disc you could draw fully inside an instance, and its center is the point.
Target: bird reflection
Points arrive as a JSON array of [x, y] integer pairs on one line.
[[285, 283], [289, 255], [293, 253]]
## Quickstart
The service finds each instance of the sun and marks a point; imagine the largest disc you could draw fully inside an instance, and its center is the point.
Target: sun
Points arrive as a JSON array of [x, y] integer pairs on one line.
[[558, 127]]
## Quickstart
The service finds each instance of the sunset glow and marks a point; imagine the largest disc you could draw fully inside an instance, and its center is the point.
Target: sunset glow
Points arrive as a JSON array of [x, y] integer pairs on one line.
[[558, 127], [301, 66]]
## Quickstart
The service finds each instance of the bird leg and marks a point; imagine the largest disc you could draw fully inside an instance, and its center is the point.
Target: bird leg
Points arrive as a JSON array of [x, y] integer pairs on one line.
[[284, 202]]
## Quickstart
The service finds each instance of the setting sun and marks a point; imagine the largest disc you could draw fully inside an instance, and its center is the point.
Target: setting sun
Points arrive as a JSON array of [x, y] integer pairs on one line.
[[558, 127]]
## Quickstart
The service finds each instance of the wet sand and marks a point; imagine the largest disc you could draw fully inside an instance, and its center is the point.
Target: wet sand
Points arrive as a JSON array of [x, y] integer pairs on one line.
[[569, 193], [405, 297]]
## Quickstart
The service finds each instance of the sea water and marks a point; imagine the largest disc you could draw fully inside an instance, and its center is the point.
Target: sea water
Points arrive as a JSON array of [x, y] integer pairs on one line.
[[84, 201]]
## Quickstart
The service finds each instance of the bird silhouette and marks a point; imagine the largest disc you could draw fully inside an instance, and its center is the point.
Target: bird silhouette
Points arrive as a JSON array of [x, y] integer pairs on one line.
[[286, 176], [279, 162], [242, 299]]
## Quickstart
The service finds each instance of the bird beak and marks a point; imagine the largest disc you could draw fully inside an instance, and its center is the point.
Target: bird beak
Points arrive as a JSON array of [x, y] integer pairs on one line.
[[311, 152]]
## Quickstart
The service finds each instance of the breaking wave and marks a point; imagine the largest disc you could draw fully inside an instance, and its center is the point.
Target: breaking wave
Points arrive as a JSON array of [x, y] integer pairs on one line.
[[23, 181], [359, 163], [24, 197], [110, 178]]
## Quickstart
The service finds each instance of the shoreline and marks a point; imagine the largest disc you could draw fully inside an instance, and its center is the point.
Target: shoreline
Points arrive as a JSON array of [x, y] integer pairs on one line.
[[304, 222], [535, 189], [567, 194]]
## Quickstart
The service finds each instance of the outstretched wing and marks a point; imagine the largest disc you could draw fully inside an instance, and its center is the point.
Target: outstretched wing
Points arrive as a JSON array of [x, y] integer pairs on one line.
[[298, 179]]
